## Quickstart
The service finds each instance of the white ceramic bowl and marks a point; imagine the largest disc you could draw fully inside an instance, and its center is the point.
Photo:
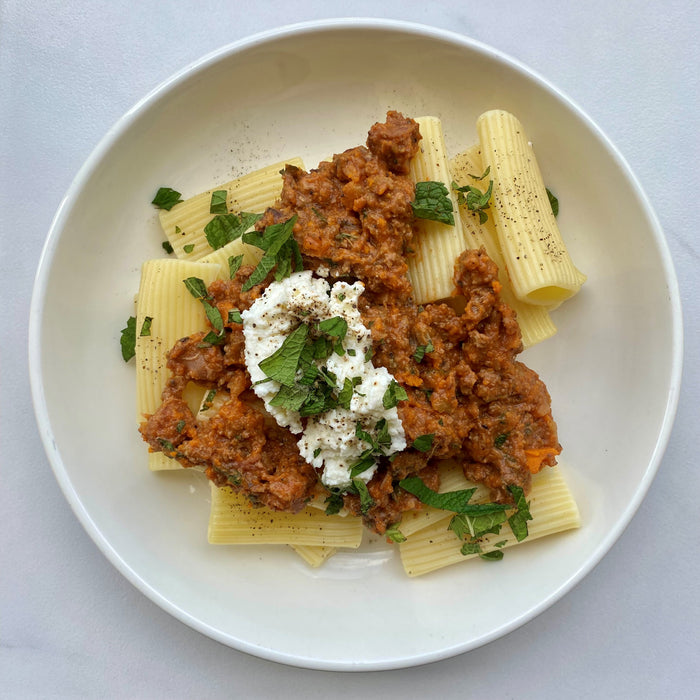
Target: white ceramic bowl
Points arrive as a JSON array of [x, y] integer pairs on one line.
[[613, 370]]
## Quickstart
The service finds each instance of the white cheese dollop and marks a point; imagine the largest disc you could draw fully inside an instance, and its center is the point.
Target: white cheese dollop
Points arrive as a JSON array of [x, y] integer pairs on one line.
[[328, 440]]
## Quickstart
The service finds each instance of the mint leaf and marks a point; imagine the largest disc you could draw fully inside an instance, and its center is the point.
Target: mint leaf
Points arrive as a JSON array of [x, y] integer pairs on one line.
[[366, 501], [393, 394], [423, 443], [128, 339], [336, 327], [432, 201], [282, 365], [217, 205], [290, 397], [146, 326], [500, 440], [209, 400], [234, 264], [474, 199], [518, 521], [470, 547], [267, 262], [493, 555], [421, 351], [224, 228], [234, 316], [394, 534], [166, 198], [455, 501], [334, 503], [553, 202], [482, 176], [196, 287], [214, 315], [345, 394]]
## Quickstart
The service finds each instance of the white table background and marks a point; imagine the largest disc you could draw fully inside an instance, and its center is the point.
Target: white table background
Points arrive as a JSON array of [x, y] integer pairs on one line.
[[70, 625]]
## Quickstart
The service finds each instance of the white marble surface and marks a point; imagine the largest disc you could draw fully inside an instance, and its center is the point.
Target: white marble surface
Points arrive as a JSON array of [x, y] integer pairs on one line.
[[70, 625]]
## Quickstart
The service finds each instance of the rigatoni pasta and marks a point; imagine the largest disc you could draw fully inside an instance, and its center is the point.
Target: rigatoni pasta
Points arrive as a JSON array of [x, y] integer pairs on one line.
[[535, 322], [173, 313], [184, 224], [437, 244], [539, 265]]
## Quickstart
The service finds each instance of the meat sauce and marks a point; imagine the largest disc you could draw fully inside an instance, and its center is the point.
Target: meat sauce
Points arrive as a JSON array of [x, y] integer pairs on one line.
[[456, 359]]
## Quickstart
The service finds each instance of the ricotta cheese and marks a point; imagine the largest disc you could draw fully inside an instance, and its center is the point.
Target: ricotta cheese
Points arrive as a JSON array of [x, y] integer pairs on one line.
[[327, 440]]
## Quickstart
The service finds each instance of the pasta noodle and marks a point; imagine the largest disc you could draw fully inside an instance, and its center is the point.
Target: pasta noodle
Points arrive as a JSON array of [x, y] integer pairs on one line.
[[540, 268], [184, 223], [437, 245], [534, 321], [175, 313], [433, 547], [234, 521]]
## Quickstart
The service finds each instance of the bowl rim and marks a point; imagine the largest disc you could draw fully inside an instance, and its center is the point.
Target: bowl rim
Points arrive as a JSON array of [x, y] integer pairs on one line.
[[53, 239]]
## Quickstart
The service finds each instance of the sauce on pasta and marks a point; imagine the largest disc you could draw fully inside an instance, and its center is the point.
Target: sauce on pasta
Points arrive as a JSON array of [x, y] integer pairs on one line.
[[455, 359]]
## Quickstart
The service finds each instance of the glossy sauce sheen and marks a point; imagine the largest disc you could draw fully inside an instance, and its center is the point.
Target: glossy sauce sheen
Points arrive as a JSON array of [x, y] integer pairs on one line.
[[484, 409]]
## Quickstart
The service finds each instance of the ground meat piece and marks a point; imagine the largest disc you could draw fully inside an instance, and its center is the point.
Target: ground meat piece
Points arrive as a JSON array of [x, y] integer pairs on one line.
[[389, 500], [395, 142], [172, 423], [196, 360], [354, 215]]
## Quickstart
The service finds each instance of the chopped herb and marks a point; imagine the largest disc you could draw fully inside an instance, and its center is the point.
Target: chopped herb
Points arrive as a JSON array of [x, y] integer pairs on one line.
[[474, 199], [217, 205], [432, 201], [196, 287], [334, 503], [188, 248], [470, 547], [518, 521], [319, 215], [212, 338], [128, 339], [167, 247], [369, 354], [280, 249], [317, 452], [224, 228], [283, 363], [493, 555], [455, 501], [234, 316], [166, 198], [421, 351], [180, 426], [209, 399], [394, 534], [345, 395], [146, 326], [213, 315], [336, 327], [393, 394], [423, 443], [166, 445], [234, 264], [553, 202], [482, 176], [366, 501], [500, 440]]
